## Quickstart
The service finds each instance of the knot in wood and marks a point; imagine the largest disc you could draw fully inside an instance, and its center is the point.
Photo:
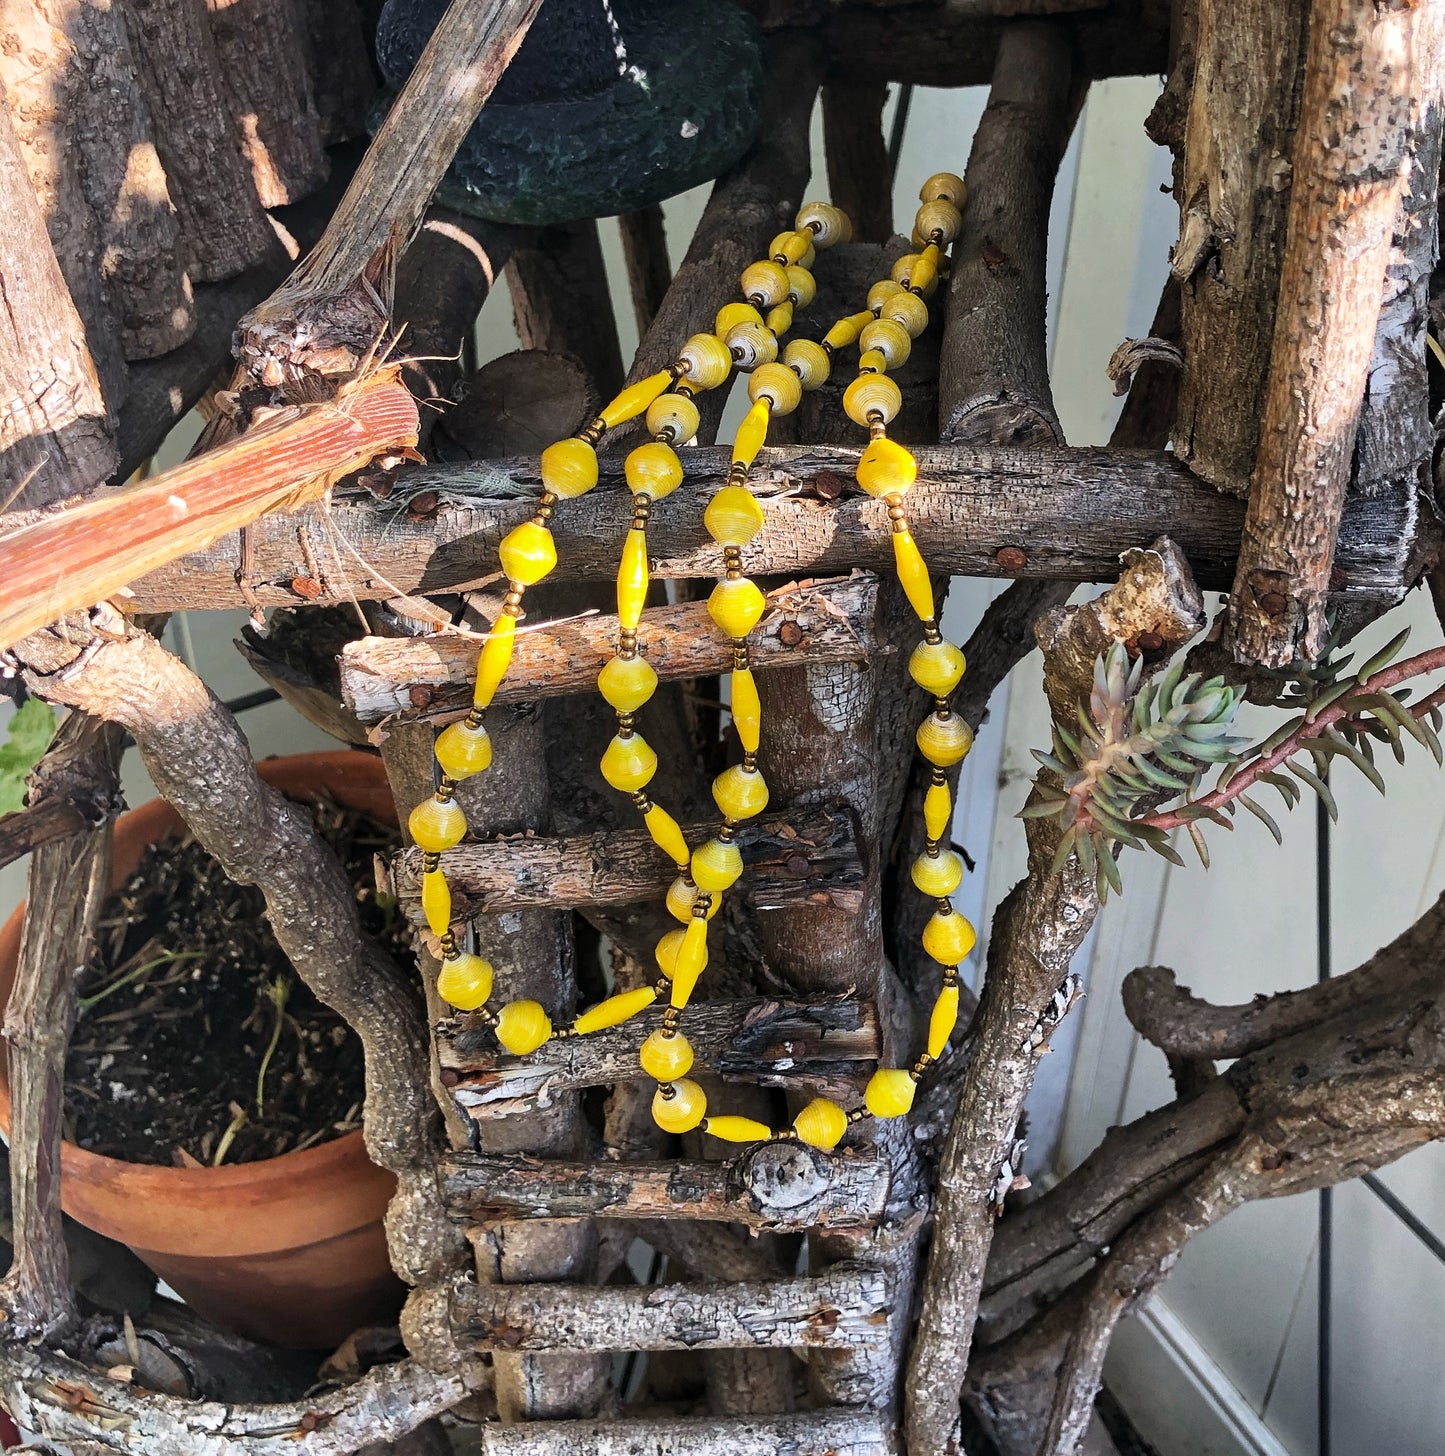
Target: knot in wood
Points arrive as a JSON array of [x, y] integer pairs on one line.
[[1273, 603], [784, 1175], [1012, 558], [790, 634]]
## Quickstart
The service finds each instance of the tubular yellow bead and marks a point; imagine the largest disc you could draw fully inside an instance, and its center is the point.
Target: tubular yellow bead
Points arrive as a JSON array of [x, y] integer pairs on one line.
[[463, 750], [751, 344], [891, 340], [751, 433], [747, 709], [779, 319], [872, 361], [569, 468], [886, 467], [615, 1010], [740, 794], [869, 395], [944, 741], [764, 283], [938, 875], [829, 225], [881, 292], [937, 667], [522, 1026], [666, 951], [732, 1129], [802, 286], [707, 361], [948, 937], [821, 1124], [436, 901], [653, 469], [889, 1092], [846, 330], [682, 1111], [937, 810], [913, 574], [667, 834], [736, 606], [626, 683], [666, 1058], [941, 1022], [907, 309], [809, 361], [716, 865], [465, 981], [635, 399], [628, 764], [939, 217], [528, 553], [788, 247], [673, 418], [681, 894], [730, 315], [732, 516], [495, 659], [690, 963], [918, 272], [944, 185], [436, 825], [777, 383], [632, 580]]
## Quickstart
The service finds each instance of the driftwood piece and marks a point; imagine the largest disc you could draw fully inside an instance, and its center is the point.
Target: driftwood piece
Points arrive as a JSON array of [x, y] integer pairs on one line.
[[838, 1431], [775, 1186], [1349, 176], [859, 175], [644, 251]]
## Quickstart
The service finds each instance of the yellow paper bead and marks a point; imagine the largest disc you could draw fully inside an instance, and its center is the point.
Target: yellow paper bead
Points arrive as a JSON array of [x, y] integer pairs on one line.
[[522, 1026], [821, 1124], [881, 292], [740, 794], [626, 683], [944, 741], [528, 553], [747, 708], [809, 258], [886, 468], [673, 418], [436, 825], [690, 963], [569, 468], [667, 949], [942, 1021], [681, 894], [665, 1057], [495, 659], [751, 344], [436, 901], [764, 283], [907, 309], [716, 865], [653, 469], [751, 433], [937, 810], [938, 875], [913, 574], [629, 763], [948, 937], [917, 271], [463, 750], [809, 361], [939, 218], [777, 383], [632, 580], [732, 516], [872, 395], [615, 1010], [667, 834], [891, 340], [889, 1092], [465, 981], [937, 667], [802, 286], [788, 247], [706, 360], [683, 1110], [633, 400], [846, 330], [730, 315], [871, 361], [779, 319], [828, 224], [737, 606], [733, 1129], [944, 185]]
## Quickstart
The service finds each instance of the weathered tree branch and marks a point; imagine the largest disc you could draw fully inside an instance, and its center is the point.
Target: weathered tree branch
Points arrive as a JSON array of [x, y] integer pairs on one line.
[[859, 177], [838, 1431], [649, 273]]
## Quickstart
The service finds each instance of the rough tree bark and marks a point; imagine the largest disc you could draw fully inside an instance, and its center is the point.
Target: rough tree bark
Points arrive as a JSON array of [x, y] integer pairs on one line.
[[649, 273], [853, 142]]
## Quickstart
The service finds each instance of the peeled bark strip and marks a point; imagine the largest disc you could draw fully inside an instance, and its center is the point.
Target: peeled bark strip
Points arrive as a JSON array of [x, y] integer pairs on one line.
[[649, 274], [859, 175], [1363, 67]]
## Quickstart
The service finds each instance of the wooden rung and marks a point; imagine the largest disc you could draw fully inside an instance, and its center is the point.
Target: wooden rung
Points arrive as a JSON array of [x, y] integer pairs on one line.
[[807, 856], [432, 677], [781, 1186]]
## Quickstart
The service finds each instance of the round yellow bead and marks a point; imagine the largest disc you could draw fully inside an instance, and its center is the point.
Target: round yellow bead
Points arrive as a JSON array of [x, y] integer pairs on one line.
[[463, 750], [733, 1129], [938, 875], [436, 824], [881, 292], [828, 224], [937, 667], [733, 517], [737, 606], [765, 283], [871, 395], [666, 1057], [681, 894], [465, 981], [730, 315], [948, 937], [629, 763], [779, 384], [569, 468], [673, 418], [945, 185], [668, 947], [522, 1026], [740, 793], [528, 553], [681, 1107], [809, 361], [944, 741], [653, 469], [802, 287], [821, 1124], [751, 344], [939, 221], [890, 339], [716, 865], [886, 467], [705, 361], [889, 1092], [907, 309], [627, 683]]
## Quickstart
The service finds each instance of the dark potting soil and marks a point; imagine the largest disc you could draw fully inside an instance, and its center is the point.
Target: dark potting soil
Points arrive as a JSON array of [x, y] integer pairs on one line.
[[187, 996]]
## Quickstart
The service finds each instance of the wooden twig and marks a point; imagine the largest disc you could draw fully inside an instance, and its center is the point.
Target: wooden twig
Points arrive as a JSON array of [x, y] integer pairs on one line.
[[859, 177], [649, 273], [838, 1431]]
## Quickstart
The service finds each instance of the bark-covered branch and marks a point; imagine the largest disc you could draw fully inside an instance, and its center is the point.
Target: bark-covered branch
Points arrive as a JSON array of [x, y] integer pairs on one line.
[[838, 1431]]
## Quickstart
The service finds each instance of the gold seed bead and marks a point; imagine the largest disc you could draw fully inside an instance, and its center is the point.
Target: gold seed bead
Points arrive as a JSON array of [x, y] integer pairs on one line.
[[821, 1124], [614, 1010], [948, 937], [938, 874], [706, 361], [944, 185], [436, 824], [937, 667], [886, 468], [733, 517], [730, 315], [881, 292], [802, 287], [716, 865], [569, 467], [751, 344], [809, 361], [653, 470], [465, 981], [872, 395], [733, 1129], [527, 553], [626, 683], [463, 749], [679, 1106], [739, 793], [736, 606], [629, 763], [942, 1020], [666, 1056], [889, 339], [764, 284], [944, 740], [522, 1026], [673, 418], [939, 221], [777, 383], [890, 1092]]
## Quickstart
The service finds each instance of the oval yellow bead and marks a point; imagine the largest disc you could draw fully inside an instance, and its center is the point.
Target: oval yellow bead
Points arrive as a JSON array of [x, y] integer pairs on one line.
[[733, 1129], [463, 750], [846, 330], [871, 361], [891, 340], [907, 309], [948, 937], [918, 272], [737, 606], [528, 553], [889, 1092], [522, 1026], [716, 865], [937, 667], [690, 963], [653, 469], [633, 400], [938, 875], [705, 361], [740, 794], [673, 418], [942, 1020], [752, 432], [436, 901], [821, 1124], [667, 835], [681, 895], [629, 763], [944, 741], [614, 1010], [886, 467], [881, 292], [666, 1056], [569, 468], [730, 315], [788, 247], [764, 283], [751, 344], [945, 185], [747, 708], [626, 683], [913, 574], [732, 516], [937, 810], [870, 396], [777, 383], [495, 659], [681, 1107], [802, 286], [632, 580], [666, 951], [465, 981], [780, 319], [436, 824], [809, 361]]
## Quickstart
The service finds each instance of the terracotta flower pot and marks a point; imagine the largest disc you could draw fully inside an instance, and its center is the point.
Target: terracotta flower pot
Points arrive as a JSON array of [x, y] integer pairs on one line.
[[291, 1249]]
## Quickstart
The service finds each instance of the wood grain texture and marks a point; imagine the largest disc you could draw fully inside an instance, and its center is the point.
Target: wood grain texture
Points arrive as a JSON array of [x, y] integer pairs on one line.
[[837, 1431], [644, 252], [857, 153]]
